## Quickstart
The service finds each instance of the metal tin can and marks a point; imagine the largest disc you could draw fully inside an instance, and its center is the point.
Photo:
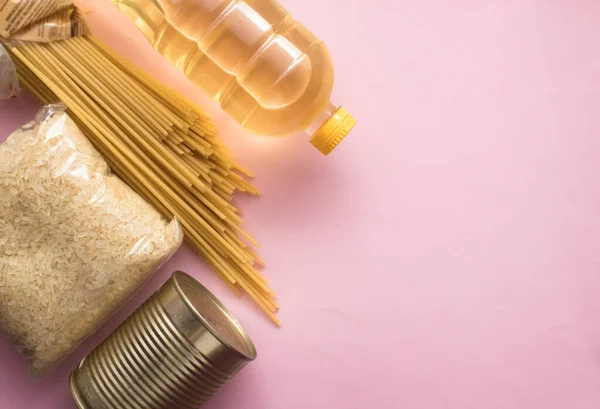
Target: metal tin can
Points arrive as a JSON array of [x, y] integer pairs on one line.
[[174, 352]]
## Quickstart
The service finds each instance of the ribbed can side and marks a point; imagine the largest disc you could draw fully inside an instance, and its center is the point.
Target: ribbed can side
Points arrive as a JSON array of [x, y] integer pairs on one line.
[[150, 362]]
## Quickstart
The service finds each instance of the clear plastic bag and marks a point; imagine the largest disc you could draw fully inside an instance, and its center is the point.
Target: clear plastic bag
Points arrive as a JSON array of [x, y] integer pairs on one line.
[[75, 241], [8, 75]]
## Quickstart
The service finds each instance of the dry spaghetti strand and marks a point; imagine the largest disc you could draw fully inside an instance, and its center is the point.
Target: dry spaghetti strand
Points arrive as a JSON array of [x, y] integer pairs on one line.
[[158, 142]]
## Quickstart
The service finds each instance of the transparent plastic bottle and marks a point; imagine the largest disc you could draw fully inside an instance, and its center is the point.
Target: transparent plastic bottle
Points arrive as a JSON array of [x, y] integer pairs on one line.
[[267, 70]]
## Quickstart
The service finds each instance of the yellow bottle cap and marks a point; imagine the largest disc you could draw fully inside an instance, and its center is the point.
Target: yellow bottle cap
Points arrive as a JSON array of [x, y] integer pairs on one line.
[[333, 131]]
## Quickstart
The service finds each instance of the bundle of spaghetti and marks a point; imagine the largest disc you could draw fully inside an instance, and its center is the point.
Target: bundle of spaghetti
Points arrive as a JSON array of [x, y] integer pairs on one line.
[[159, 143]]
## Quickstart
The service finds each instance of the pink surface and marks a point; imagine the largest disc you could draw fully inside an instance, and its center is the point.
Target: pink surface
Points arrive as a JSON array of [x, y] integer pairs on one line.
[[446, 255]]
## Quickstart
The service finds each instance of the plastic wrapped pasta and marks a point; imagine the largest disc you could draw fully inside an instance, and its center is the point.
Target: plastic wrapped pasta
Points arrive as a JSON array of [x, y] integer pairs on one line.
[[40, 20], [37, 21], [75, 241]]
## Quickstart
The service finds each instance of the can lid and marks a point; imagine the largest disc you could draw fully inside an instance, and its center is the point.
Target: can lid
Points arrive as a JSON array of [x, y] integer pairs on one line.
[[333, 131], [214, 316]]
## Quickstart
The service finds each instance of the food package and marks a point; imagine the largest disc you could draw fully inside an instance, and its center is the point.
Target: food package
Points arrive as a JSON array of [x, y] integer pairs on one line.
[[8, 75], [40, 20], [75, 241]]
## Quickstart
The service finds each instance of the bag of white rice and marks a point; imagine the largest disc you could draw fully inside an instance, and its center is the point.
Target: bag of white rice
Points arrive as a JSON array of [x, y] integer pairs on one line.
[[75, 241]]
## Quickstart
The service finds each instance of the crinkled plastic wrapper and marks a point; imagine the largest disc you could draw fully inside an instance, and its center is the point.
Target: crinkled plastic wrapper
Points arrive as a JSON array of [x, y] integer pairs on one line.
[[75, 241], [8, 75]]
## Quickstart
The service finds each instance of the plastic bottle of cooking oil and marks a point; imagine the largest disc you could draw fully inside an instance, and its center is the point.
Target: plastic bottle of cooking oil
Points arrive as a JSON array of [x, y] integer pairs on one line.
[[266, 70]]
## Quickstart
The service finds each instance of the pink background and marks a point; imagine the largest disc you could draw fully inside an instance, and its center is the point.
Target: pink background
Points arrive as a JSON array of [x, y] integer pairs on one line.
[[446, 255]]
